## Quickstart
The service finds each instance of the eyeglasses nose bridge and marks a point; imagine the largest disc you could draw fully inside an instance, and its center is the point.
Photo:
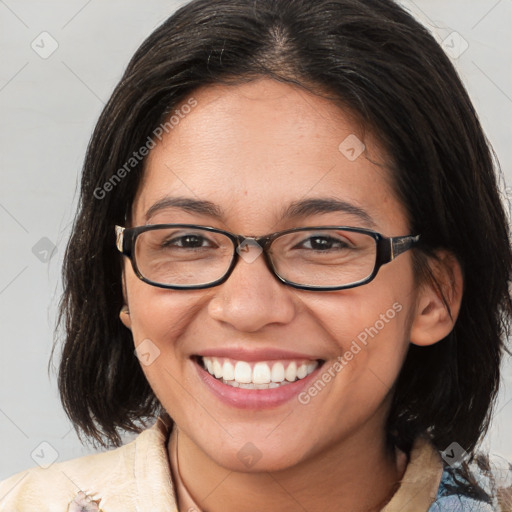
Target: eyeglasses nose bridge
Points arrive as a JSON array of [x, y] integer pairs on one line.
[[262, 242]]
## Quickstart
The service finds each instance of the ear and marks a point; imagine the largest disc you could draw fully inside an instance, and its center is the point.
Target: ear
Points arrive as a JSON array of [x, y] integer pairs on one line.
[[432, 320], [124, 314]]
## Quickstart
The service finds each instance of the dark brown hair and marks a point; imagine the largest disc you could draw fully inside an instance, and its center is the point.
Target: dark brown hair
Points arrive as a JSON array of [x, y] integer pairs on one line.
[[372, 57]]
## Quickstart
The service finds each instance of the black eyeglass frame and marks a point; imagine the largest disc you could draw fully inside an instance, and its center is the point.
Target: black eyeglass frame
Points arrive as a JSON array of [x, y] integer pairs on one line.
[[388, 248]]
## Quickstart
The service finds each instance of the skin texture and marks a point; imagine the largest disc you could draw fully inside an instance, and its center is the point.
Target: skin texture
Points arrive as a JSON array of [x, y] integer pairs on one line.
[[251, 149]]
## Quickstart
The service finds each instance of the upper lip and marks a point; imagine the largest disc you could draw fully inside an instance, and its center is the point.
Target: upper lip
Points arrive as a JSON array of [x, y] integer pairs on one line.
[[245, 354]]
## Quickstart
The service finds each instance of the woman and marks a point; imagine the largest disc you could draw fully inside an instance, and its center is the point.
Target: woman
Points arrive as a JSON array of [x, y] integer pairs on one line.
[[289, 210]]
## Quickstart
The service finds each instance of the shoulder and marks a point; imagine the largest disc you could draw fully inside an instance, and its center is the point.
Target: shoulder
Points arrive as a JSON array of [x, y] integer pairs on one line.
[[123, 479], [431, 484], [58, 485], [473, 487]]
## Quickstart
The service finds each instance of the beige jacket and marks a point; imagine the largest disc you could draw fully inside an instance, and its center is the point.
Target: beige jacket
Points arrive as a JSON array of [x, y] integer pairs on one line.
[[137, 478]]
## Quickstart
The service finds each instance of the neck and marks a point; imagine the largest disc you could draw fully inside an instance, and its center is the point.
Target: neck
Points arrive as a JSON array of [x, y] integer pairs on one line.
[[359, 474]]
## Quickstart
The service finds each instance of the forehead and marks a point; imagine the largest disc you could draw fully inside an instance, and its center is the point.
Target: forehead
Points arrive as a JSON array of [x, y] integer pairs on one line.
[[253, 149]]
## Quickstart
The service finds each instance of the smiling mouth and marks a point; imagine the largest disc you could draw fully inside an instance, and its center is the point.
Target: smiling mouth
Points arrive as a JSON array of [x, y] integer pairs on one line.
[[257, 374]]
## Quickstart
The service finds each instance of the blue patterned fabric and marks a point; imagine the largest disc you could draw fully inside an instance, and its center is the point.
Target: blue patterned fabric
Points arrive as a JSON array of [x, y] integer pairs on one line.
[[453, 496]]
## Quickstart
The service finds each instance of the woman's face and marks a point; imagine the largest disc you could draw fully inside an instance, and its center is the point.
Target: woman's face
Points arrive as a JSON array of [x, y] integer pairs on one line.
[[252, 150]]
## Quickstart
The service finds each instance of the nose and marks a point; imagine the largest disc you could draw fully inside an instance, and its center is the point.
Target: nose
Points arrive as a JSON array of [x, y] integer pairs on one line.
[[252, 297]]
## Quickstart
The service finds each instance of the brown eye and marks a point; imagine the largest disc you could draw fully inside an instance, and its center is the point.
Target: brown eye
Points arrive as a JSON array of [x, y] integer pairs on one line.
[[323, 243], [187, 242]]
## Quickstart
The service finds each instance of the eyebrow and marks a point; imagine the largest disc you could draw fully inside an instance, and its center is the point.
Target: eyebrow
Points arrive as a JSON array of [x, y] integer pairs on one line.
[[201, 207], [295, 210], [315, 206]]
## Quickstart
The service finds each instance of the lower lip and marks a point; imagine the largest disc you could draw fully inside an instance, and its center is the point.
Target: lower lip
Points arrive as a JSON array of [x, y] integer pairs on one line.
[[254, 398]]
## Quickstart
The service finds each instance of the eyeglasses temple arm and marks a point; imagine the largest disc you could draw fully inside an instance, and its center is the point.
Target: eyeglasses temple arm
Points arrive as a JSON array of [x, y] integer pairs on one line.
[[400, 244], [119, 238]]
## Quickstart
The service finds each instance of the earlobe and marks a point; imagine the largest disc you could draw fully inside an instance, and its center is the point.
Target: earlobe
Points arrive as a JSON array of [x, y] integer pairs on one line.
[[438, 305], [124, 315]]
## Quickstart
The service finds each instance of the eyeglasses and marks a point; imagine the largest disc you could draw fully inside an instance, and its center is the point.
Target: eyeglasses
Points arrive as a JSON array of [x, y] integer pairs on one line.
[[187, 256]]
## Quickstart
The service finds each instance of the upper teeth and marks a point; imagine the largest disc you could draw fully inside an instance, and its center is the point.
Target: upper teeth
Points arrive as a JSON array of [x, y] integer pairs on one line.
[[258, 372]]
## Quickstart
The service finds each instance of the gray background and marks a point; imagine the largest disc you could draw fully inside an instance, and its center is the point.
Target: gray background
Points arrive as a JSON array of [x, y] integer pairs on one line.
[[49, 105]]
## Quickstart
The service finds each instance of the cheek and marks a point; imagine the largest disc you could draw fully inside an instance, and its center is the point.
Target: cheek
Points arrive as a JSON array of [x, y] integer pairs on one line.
[[159, 318], [371, 337], [363, 317], [370, 326], [157, 313]]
